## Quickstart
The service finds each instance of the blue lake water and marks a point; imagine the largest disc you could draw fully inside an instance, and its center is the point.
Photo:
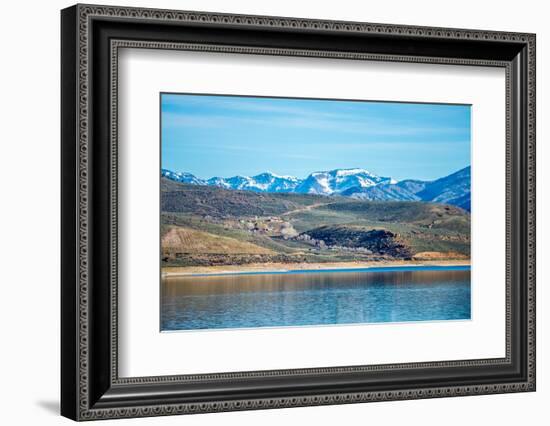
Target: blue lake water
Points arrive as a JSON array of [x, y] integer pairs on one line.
[[300, 298]]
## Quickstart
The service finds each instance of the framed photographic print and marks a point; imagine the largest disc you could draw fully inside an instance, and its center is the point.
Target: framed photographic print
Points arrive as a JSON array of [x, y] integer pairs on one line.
[[263, 212]]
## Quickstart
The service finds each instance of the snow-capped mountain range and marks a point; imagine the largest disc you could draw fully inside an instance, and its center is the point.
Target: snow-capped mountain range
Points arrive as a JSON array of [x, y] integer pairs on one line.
[[355, 183]]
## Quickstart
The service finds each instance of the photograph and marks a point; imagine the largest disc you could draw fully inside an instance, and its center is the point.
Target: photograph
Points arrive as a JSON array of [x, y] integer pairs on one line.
[[284, 212]]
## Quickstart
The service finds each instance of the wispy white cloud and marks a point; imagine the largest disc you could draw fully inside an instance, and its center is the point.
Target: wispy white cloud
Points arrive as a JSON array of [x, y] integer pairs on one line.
[[383, 145], [343, 124], [261, 150], [245, 104]]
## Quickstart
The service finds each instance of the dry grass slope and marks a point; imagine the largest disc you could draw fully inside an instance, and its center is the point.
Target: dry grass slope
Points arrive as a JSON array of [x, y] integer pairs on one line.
[[184, 240]]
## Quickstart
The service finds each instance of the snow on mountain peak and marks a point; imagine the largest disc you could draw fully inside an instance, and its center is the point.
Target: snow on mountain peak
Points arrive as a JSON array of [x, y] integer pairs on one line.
[[275, 175], [321, 182], [350, 172]]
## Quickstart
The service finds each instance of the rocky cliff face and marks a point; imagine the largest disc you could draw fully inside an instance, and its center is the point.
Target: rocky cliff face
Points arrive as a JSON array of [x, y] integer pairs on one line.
[[375, 241]]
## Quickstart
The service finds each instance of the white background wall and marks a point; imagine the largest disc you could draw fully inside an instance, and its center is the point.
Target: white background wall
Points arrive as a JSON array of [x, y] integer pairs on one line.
[[29, 213]]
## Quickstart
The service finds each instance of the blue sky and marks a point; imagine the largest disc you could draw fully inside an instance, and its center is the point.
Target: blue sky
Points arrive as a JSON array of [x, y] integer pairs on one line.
[[224, 136]]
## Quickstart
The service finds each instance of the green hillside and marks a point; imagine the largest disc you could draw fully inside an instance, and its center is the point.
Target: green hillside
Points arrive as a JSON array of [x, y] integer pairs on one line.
[[241, 227], [218, 202]]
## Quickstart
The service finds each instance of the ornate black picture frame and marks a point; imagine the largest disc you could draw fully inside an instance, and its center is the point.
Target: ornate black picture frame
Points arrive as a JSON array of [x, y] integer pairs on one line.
[[91, 36]]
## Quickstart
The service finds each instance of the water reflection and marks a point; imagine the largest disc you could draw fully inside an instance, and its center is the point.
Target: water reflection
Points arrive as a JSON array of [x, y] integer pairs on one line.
[[314, 298]]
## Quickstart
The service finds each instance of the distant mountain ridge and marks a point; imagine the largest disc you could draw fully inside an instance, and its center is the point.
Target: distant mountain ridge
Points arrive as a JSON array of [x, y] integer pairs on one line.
[[453, 189], [264, 182], [356, 183]]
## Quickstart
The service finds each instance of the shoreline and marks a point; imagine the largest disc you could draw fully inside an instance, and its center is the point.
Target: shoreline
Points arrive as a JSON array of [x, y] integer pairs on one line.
[[182, 271]]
